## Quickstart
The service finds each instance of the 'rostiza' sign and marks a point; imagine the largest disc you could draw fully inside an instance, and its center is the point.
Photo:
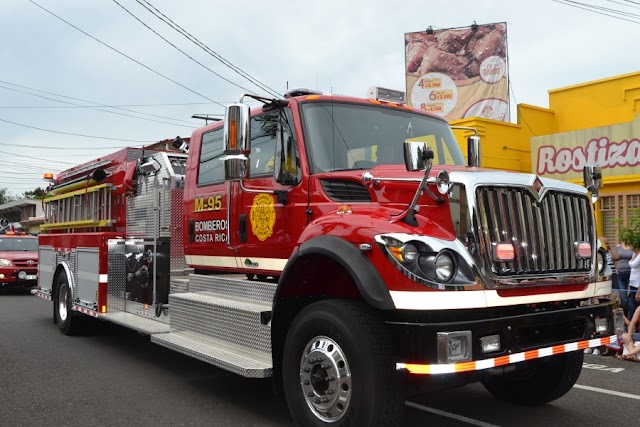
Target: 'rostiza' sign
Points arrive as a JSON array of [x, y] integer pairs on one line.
[[597, 152], [615, 148]]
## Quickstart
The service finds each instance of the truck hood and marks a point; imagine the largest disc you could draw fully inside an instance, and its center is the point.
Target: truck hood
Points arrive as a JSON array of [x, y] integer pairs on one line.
[[396, 186], [19, 255]]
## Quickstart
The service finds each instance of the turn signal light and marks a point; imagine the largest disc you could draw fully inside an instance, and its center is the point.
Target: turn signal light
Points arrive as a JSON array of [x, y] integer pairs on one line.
[[233, 143], [583, 249], [503, 252]]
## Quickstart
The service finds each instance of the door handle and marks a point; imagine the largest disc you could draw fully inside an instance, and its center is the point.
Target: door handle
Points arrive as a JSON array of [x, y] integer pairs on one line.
[[192, 230], [243, 228]]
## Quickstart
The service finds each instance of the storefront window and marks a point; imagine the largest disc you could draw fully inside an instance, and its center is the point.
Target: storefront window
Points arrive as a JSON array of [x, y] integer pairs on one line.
[[616, 211]]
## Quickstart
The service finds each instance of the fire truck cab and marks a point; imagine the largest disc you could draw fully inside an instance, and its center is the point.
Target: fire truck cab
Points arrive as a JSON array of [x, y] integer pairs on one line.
[[344, 247]]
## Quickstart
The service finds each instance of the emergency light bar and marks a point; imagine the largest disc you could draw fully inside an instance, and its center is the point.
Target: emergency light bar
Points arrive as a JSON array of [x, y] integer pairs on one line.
[[383, 94]]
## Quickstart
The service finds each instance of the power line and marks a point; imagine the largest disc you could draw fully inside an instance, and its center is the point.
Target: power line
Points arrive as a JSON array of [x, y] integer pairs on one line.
[[33, 158], [518, 110], [590, 8], [125, 55], [164, 18], [95, 103], [97, 109], [58, 147], [625, 4], [20, 173], [22, 165], [113, 106], [178, 49], [72, 134]]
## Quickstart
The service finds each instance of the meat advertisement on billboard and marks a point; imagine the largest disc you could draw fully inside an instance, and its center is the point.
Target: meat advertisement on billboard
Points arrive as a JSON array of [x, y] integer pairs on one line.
[[459, 72]]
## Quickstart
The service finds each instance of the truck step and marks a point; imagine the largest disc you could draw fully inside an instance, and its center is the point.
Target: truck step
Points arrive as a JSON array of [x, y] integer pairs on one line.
[[179, 285], [135, 322], [237, 359], [235, 320], [233, 285]]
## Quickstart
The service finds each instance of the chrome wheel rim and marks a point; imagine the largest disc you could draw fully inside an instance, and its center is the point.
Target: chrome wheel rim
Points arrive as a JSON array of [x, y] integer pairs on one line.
[[325, 378], [62, 303]]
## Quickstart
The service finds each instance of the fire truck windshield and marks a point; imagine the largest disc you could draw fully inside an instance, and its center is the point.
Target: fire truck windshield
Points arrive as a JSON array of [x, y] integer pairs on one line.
[[343, 136], [29, 244]]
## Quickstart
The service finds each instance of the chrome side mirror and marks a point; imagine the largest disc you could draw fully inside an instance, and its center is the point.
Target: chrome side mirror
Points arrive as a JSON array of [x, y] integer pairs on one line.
[[592, 176], [237, 141], [417, 156], [235, 167], [473, 151]]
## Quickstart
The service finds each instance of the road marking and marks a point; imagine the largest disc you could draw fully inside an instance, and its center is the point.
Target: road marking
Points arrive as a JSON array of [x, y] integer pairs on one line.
[[450, 415], [602, 390], [601, 367]]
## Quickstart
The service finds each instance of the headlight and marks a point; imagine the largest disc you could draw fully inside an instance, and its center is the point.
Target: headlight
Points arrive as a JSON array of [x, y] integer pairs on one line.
[[419, 262], [444, 266], [5, 263], [406, 253], [600, 259], [409, 253]]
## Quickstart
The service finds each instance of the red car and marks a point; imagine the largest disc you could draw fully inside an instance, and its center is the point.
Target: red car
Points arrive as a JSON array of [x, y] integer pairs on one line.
[[18, 260]]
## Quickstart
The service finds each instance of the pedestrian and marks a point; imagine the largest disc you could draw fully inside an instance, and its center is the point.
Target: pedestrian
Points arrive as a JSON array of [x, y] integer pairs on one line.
[[634, 282], [625, 252], [630, 340], [612, 256]]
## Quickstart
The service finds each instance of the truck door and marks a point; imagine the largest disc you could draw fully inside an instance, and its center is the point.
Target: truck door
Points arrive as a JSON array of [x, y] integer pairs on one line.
[[206, 204], [270, 209]]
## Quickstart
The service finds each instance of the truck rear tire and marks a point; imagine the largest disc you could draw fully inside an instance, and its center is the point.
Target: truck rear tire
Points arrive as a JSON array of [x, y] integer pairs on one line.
[[338, 369], [65, 317], [546, 380]]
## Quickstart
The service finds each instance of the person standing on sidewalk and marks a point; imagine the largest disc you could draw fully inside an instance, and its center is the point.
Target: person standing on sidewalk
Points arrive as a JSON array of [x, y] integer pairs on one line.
[[625, 252], [612, 258], [634, 282]]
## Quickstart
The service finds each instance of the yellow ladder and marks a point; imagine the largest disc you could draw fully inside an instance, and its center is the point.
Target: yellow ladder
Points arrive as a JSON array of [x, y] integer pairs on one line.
[[90, 207]]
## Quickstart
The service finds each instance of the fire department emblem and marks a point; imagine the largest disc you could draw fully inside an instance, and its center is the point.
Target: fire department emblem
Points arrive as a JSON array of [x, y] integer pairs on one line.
[[263, 216]]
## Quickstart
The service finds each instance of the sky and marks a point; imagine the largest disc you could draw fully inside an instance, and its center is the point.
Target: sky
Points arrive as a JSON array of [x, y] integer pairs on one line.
[[149, 91]]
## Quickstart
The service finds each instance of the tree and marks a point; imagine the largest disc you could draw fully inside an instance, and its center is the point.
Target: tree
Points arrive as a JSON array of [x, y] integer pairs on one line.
[[35, 194], [631, 233], [5, 196]]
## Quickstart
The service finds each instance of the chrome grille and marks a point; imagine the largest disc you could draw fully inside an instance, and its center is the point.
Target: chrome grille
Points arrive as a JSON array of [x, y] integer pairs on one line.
[[543, 232]]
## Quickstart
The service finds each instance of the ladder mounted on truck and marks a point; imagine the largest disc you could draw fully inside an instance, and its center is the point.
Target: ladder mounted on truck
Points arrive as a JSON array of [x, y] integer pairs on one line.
[[83, 201], [90, 207]]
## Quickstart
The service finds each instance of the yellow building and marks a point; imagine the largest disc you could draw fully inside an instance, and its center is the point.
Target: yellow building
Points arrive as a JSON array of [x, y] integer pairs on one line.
[[593, 123]]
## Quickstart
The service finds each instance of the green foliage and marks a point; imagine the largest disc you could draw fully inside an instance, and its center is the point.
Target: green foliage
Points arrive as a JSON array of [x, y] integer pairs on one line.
[[35, 194], [631, 233], [5, 196]]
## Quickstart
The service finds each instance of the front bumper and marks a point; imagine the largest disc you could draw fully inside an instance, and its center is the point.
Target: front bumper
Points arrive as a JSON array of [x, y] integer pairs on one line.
[[11, 277], [522, 330]]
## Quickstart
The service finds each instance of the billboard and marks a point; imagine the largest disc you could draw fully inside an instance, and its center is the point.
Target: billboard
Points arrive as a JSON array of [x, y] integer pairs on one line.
[[459, 72]]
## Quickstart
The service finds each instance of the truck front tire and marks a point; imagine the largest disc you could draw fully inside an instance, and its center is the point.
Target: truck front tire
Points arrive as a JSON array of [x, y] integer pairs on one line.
[[337, 367], [62, 303], [546, 380]]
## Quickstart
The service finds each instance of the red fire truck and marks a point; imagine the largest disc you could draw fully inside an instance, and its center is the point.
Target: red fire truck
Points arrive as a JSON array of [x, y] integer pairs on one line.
[[342, 246]]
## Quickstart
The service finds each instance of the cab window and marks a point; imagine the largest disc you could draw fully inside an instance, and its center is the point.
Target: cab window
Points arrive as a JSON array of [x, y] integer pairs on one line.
[[211, 166], [264, 138]]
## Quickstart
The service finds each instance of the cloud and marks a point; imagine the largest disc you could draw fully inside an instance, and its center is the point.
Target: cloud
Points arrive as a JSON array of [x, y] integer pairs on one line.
[[333, 45]]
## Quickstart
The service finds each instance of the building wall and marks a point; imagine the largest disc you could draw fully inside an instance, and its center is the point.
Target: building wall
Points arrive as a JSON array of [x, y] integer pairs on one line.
[[577, 115]]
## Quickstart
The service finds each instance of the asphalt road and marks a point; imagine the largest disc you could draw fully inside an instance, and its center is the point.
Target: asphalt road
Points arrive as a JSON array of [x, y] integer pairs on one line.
[[112, 376]]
